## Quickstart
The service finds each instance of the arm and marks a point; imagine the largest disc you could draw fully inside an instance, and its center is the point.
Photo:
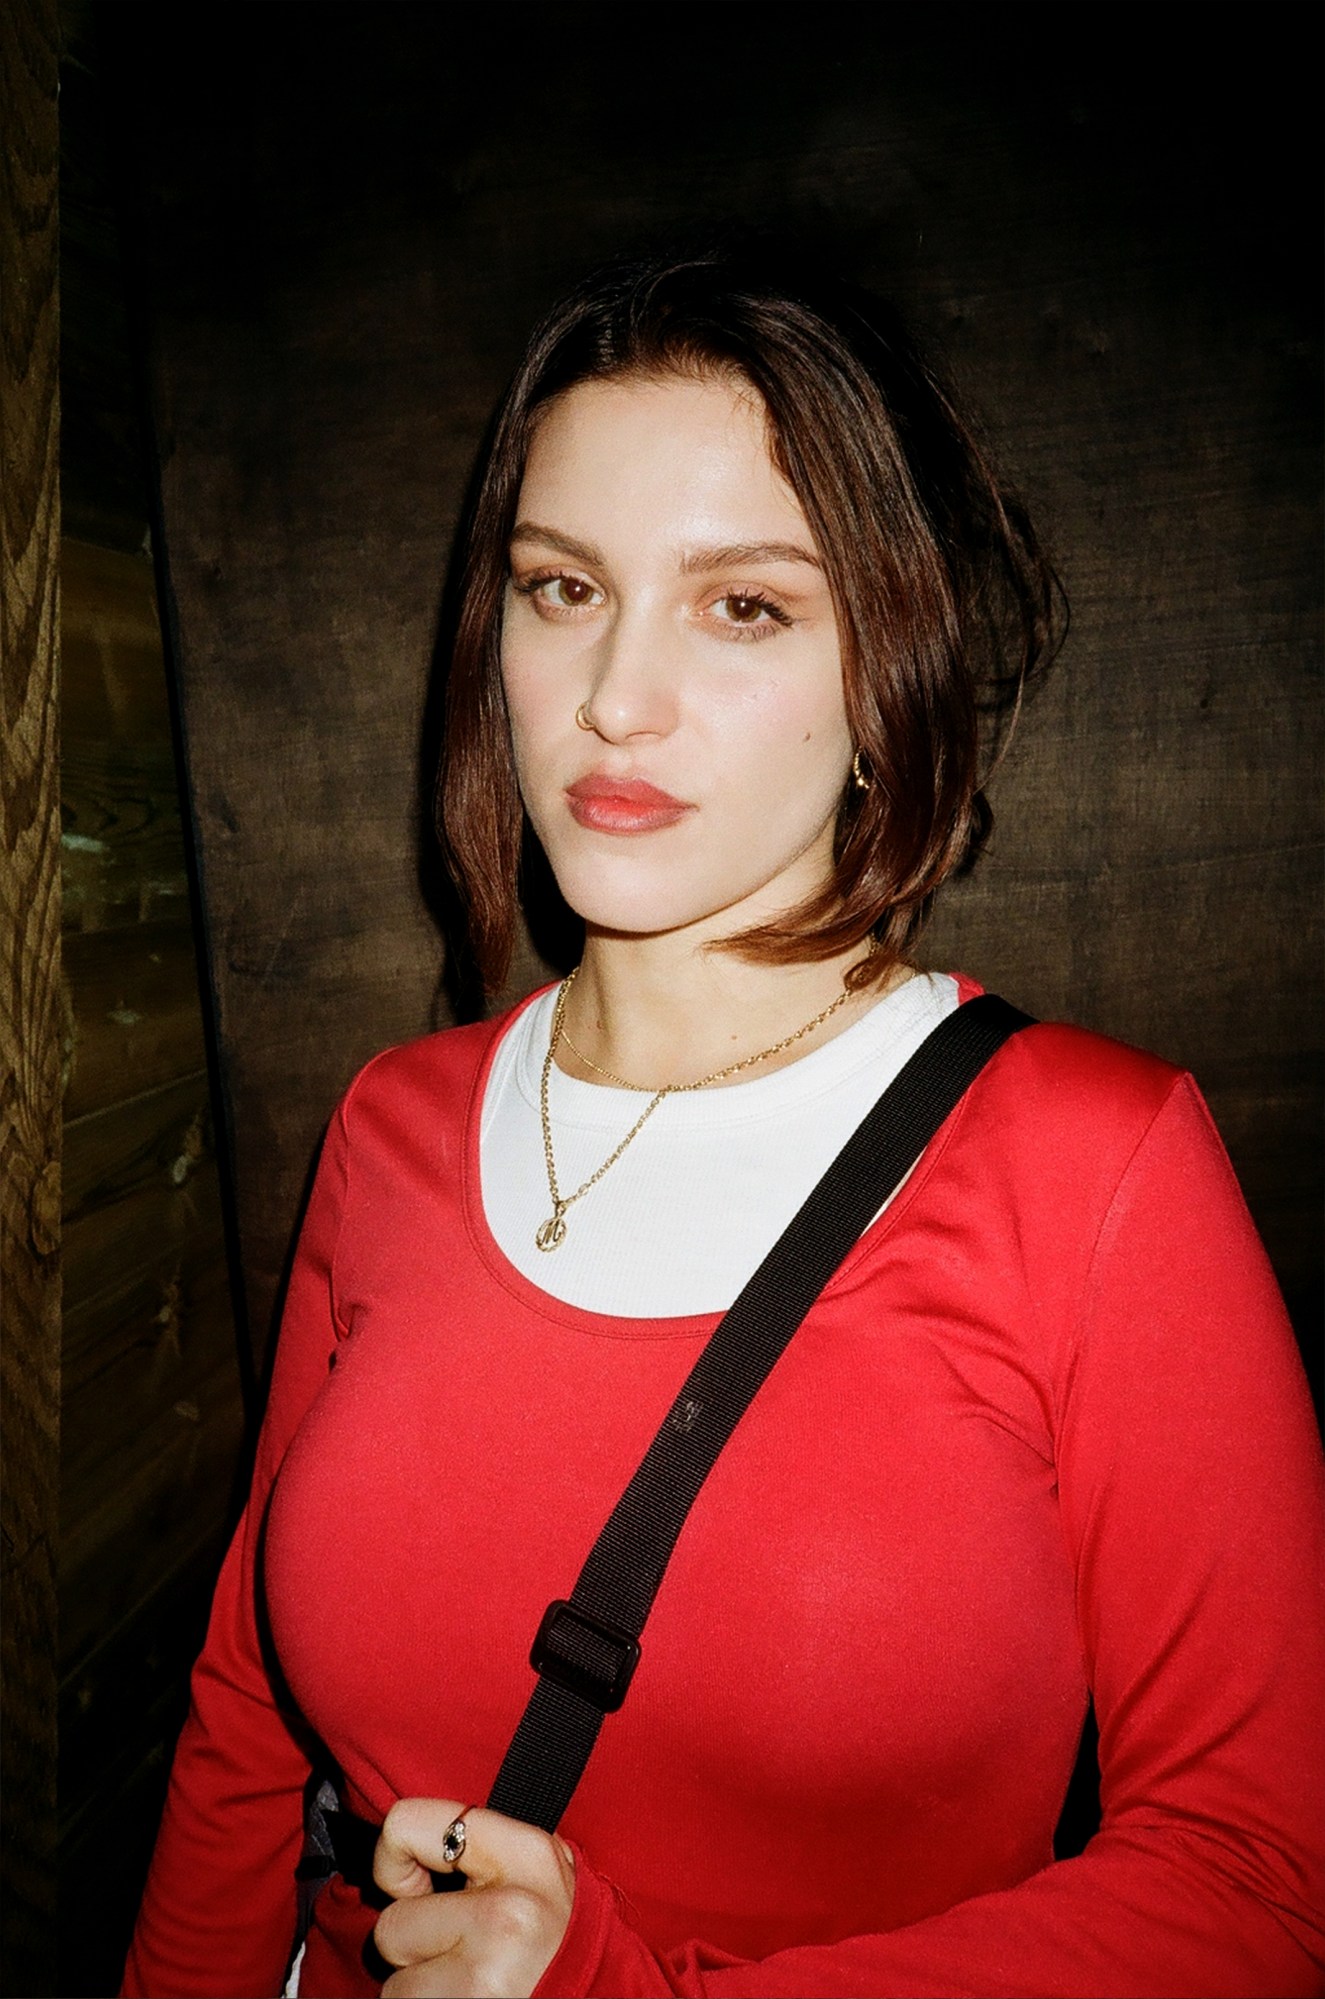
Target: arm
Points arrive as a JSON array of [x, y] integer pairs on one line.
[[218, 1911], [1190, 1489]]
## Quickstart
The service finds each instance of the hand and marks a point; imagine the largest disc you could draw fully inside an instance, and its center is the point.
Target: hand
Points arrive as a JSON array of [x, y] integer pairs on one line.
[[494, 1938]]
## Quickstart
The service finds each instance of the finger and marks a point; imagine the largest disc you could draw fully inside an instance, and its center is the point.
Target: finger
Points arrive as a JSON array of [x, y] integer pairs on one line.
[[414, 1829], [418, 1934], [415, 1930], [440, 1978], [492, 1940], [497, 1850], [507, 1853]]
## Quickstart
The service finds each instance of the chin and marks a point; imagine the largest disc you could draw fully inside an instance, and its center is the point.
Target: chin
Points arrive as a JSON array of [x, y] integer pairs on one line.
[[650, 908], [625, 896], [638, 915]]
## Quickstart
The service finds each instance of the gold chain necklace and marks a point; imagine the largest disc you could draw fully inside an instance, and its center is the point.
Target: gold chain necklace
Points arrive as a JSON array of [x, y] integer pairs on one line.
[[552, 1233]]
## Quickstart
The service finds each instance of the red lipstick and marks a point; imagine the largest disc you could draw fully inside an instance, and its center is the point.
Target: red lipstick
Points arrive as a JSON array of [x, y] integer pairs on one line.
[[622, 804]]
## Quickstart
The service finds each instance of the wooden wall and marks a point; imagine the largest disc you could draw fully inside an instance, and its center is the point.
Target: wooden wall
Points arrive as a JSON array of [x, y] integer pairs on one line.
[[151, 1400], [152, 1414], [29, 991], [348, 220]]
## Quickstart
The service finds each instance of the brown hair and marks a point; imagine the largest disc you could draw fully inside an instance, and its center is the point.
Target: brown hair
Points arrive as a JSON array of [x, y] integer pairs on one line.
[[944, 603]]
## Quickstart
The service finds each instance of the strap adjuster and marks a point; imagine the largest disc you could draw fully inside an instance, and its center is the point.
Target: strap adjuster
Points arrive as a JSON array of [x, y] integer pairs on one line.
[[585, 1654]]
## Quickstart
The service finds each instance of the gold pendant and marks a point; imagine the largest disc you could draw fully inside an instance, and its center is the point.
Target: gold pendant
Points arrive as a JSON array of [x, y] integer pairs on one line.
[[553, 1232]]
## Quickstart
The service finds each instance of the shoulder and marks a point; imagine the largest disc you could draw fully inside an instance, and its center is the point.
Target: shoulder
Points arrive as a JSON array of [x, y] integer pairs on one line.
[[1062, 1113], [1077, 1154], [1087, 1076], [1078, 1068], [1076, 1073]]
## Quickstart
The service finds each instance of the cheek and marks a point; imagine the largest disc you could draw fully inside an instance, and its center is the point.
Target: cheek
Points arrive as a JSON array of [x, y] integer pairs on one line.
[[792, 729], [535, 699]]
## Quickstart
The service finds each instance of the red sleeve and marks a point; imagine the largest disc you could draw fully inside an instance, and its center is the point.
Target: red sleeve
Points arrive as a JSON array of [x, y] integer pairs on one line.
[[1191, 1497], [218, 1911]]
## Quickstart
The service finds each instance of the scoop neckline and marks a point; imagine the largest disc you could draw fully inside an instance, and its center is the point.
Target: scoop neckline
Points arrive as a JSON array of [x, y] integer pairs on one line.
[[607, 1325]]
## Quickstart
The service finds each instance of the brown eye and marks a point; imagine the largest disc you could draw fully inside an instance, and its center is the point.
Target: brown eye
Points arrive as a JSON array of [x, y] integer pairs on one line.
[[743, 610], [574, 590]]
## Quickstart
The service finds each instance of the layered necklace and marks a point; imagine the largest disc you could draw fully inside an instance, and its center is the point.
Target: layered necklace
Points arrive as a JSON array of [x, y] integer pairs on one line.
[[552, 1233]]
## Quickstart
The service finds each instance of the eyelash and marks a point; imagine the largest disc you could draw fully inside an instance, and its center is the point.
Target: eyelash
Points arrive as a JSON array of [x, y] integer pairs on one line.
[[776, 617], [531, 585]]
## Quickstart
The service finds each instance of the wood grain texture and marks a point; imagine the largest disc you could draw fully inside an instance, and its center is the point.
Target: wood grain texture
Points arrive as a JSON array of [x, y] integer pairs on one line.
[[151, 1414], [29, 987], [132, 1012], [138, 1183], [154, 1439], [341, 283], [112, 1705]]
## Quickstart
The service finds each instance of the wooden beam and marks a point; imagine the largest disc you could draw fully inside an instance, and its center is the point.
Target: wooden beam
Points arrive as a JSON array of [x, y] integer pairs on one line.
[[29, 984]]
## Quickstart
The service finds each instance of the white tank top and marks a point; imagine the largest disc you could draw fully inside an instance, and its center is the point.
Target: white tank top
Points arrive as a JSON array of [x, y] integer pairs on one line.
[[695, 1203]]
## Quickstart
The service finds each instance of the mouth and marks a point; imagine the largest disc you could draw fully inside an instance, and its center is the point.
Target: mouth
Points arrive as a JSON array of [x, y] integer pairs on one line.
[[606, 804]]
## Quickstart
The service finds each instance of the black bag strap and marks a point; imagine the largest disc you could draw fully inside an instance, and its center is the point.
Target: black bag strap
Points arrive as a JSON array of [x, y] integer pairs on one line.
[[587, 1646]]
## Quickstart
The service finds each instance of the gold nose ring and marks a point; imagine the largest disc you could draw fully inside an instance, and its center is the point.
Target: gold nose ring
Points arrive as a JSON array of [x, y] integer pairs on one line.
[[582, 716]]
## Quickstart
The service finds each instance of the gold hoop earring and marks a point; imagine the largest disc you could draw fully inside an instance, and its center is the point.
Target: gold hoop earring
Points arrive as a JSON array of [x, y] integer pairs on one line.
[[582, 717], [858, 776]]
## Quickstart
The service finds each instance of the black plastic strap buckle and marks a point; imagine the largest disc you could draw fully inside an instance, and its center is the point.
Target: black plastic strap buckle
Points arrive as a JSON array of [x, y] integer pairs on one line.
[[585, 1654]]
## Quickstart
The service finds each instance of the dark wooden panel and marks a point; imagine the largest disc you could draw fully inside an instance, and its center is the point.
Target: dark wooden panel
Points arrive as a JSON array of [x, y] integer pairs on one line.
[[132, 1013], [128, 1691], [340, 284], [123, 841], [154, 1483], [29, 989], [101, 1880], [151, 1428], [123, 861], [130, 1351], [139, 1182], [119, 1716], [103, 488], [114, 679]]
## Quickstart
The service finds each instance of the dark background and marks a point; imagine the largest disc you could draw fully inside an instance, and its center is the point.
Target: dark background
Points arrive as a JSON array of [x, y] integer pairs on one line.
[[320, 233], [346, 219]]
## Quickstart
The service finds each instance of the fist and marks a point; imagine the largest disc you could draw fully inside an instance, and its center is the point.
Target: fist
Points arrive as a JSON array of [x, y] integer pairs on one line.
[[494, 1938]]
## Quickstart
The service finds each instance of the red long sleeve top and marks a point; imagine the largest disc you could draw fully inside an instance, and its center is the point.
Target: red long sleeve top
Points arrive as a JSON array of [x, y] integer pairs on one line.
[[1045, 1431]]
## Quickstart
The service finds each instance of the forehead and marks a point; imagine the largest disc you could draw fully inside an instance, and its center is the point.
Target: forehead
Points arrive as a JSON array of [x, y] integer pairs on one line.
[[658, 455]]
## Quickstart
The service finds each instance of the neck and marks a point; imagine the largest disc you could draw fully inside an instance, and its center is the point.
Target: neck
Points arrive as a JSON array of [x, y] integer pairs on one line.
[[660, 1010]]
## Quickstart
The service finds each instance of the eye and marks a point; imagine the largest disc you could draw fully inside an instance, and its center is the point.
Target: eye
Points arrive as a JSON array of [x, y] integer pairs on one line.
[[569, 590], [749, 612], [557, 592]]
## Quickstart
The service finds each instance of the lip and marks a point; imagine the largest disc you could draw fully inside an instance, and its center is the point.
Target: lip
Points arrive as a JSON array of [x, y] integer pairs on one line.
[[606, 804]]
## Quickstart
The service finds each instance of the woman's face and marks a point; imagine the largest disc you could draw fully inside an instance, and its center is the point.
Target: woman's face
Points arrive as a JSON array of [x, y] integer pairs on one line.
[[666, 588]]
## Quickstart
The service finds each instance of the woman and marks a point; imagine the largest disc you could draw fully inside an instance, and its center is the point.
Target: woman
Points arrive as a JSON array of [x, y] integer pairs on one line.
[[739, 589]]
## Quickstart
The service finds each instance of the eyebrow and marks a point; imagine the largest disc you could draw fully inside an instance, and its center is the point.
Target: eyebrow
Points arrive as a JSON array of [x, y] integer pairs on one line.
[[731, 555], [579, 551], [696, 562]]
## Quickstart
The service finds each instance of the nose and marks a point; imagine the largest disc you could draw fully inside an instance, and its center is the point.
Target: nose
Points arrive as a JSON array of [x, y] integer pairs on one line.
[[634, 686]]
